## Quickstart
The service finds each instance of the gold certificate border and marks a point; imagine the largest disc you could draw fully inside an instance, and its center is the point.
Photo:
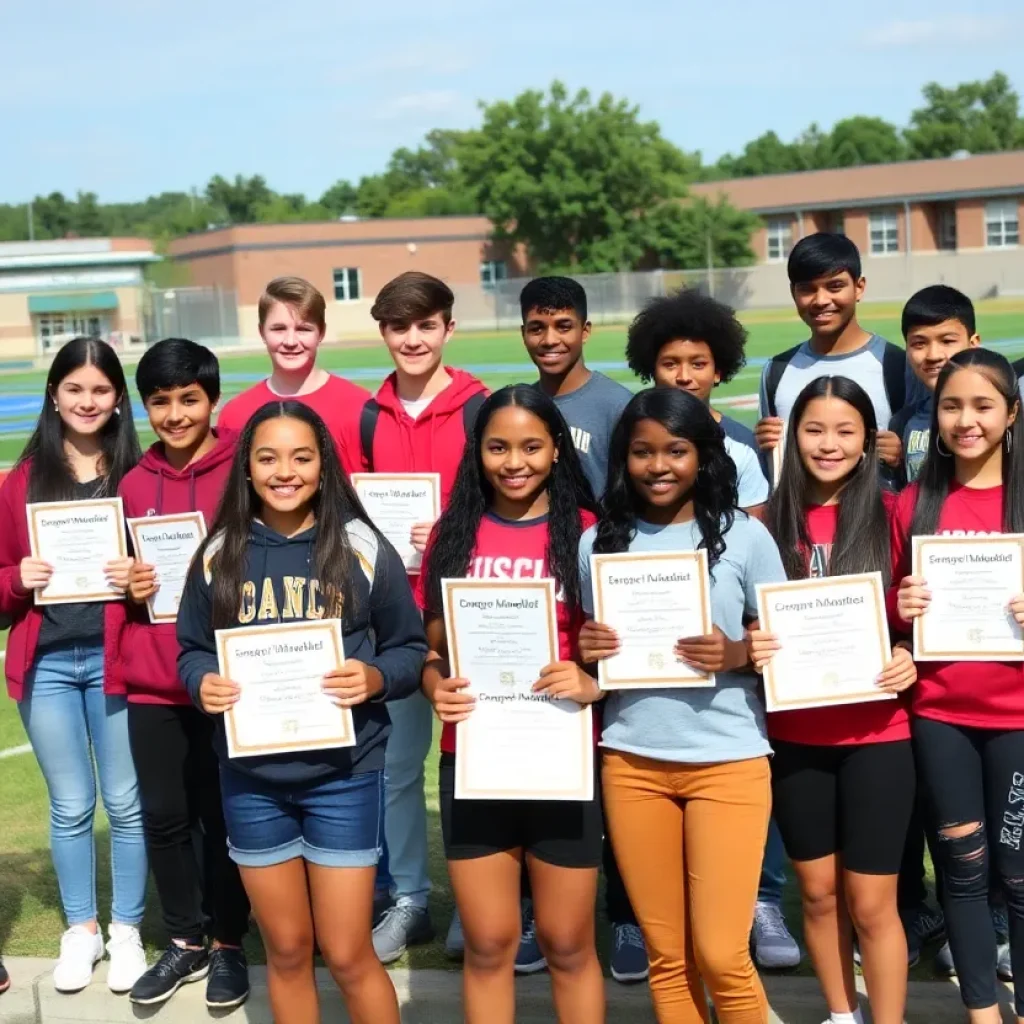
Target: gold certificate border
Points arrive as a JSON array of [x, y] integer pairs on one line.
[[700, 559], [873, 583], [918, 546], [463, 742], [346, 734], [434, 479], [35, 508], [183, 517]]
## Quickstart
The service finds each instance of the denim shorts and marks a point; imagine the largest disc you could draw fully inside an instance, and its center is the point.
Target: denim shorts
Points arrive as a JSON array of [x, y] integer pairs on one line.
[[335, 823]]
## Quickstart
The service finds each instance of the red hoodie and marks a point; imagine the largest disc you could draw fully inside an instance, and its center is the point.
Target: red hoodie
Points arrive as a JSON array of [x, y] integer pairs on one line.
[[149, 650], [982, 695], [431, 443], [19, 604]]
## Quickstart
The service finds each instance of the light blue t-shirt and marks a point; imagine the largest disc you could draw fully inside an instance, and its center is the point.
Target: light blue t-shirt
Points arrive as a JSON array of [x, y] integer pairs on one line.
[[699, 725], [751, 486]]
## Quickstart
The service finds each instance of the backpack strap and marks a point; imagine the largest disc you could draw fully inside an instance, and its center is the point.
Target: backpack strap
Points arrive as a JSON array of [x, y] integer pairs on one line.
[[367, 428], [894, 377], [776, 368]]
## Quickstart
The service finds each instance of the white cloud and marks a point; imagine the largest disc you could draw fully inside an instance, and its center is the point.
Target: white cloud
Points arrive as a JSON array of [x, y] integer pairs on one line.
[[946, 30], [433, 101]]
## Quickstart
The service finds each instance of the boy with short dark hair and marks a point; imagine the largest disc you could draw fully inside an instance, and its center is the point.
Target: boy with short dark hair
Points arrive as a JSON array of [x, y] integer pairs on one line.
[[171, 740], [937, 322], [555, 329], [691, 342], [827, 284], [418, 422]]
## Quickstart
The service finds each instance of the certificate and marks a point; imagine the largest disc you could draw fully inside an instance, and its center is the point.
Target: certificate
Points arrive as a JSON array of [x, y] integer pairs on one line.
[[972, 580], [517, 744], [396, 502], [167, 543], [651, 601], [77, 538], [282, 707], [833, 637]]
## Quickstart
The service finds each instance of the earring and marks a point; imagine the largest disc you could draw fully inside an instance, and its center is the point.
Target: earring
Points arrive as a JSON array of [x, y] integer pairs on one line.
[[947, 454], [55, 407], [117, 412], [1009, 441]]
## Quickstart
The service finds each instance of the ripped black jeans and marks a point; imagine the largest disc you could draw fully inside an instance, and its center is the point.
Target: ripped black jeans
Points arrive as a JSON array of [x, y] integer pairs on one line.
[[977, 775]]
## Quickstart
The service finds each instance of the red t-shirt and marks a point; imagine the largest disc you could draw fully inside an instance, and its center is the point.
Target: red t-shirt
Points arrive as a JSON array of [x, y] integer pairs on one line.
[[982, 695], [880, 721], [338, 402], [508, 550]]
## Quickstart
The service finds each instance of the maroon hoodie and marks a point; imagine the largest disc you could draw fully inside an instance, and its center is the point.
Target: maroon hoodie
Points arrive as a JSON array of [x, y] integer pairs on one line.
[[20, 605], [149, 650], [431, 443]]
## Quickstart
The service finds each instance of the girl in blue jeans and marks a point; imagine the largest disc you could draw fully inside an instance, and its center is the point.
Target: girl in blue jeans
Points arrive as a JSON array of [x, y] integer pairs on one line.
[[291, 542], [60, 663]]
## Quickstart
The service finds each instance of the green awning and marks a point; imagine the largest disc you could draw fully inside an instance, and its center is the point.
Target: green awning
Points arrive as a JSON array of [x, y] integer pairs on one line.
[[73, 302]]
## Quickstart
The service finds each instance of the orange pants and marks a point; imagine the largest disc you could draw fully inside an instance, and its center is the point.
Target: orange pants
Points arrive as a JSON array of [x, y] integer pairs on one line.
[[688, 839]]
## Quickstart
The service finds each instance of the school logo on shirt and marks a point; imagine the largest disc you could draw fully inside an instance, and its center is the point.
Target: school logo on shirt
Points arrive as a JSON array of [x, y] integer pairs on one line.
[[917, 449], [303, 599], [820, 554], [501, 567], [580, 438]]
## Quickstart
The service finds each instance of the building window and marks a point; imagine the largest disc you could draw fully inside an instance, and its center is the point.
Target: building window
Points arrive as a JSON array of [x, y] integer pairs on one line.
[[54, 329], [492, 271], [884, 231], [347, 284], [947, 227], [1002, 224], [780, 238]]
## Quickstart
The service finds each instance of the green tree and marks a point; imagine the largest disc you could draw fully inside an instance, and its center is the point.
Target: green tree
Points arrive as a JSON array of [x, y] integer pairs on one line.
[[572, 178], [862, 140], [980, 117], [696, 233], [767, 154], [340, 199], [239, 200]]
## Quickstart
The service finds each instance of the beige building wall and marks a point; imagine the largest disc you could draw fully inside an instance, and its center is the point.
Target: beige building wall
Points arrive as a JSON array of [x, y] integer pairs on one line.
[[16, 337]]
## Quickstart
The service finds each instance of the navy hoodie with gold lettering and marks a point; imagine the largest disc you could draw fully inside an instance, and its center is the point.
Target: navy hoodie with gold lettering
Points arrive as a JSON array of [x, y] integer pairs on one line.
[[381, 626]]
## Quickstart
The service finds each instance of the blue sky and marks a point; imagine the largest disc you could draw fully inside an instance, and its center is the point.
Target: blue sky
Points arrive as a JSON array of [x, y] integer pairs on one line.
[[132, 97]]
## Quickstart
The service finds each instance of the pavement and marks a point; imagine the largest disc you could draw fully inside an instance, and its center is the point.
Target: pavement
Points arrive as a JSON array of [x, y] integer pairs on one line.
[[426, 997]]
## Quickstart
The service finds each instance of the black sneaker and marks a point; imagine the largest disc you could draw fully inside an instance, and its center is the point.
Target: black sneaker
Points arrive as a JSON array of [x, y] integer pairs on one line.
[[5, 978], [229, 979], [178, 966]]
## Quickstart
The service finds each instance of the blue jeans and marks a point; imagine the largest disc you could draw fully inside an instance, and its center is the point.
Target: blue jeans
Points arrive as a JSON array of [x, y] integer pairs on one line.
[[773, 868], [404, 867], [70, 721]]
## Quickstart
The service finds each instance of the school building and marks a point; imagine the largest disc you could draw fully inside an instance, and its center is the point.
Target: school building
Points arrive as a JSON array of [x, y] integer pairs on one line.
[[52, 291], [350, 260]]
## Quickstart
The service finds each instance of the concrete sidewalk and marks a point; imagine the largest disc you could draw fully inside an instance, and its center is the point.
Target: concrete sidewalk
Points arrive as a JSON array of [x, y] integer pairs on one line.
[[427, 997]]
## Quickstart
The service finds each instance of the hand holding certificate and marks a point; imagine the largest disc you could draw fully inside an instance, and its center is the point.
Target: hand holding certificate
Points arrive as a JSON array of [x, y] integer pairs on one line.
[[397, 502], [967, 586], [831, 641], [167, 544], [518, 743], [652, 601], [279, 670], [77, 540]]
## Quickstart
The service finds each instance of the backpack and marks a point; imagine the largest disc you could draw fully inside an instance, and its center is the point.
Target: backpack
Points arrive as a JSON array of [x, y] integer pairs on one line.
[[371, 413], [894, 376]]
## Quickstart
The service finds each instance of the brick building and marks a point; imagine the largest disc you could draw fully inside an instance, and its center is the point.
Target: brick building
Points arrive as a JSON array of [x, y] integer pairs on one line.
[[967, 204]]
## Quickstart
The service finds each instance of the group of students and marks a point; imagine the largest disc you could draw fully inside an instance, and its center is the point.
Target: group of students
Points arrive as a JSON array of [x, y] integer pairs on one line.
[[698, 789]]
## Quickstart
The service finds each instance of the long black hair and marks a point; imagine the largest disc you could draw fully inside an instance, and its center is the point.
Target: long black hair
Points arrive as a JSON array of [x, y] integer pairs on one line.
[[335, 503], [454, 536], [51, 477], [713, 492], [861, 542], [939, 470]]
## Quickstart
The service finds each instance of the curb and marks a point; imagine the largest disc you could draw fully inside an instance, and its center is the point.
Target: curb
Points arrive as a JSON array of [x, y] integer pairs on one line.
[[426, 997]]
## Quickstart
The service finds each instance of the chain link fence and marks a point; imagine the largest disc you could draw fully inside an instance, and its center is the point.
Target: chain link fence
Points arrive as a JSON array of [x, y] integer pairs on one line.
[[208, 316]]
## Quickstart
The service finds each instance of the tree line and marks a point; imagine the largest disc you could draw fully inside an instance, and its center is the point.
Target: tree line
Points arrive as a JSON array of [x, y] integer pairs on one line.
[[583, 182]]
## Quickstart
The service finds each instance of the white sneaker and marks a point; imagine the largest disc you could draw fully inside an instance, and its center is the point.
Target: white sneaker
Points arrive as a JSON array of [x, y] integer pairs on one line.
[[127, 958], [80, 951]]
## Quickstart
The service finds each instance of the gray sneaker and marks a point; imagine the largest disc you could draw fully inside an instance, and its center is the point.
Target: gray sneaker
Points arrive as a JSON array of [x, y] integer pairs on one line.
[[455, 941], [944, 962], [400, 928], [1004, 967], [529, 958], [774, 947]]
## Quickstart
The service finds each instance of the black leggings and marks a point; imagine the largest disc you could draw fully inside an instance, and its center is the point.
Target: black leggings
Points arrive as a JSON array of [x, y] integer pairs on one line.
[[977, 775], [179, 788]]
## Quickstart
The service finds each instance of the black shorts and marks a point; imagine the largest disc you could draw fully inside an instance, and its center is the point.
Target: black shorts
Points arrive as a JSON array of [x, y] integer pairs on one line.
[[856, 801], [565, 833]]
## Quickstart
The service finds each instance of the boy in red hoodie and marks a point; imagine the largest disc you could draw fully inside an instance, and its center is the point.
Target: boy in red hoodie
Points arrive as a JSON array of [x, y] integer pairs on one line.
[[171, 740], [417, 423]]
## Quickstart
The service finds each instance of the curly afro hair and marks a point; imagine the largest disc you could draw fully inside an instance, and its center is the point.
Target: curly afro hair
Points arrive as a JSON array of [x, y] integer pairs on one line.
[[687, 315]]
